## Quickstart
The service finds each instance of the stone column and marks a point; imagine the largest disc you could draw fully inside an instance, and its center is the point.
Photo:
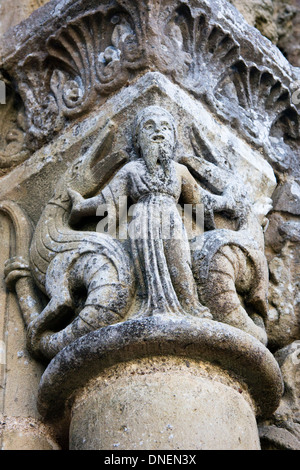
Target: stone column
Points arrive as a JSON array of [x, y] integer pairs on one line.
[[162, 383]]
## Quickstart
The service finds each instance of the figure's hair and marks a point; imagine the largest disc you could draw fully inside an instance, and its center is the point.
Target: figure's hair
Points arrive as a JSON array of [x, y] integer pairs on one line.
[[149, 111]]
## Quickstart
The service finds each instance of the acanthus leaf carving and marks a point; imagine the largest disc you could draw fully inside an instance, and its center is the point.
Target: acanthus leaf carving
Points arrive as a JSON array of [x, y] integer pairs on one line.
[[213, 51], [94, 53], [261, 94]]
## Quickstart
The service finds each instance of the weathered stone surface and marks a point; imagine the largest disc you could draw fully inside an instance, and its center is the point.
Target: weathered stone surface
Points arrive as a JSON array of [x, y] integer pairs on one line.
[[149, 401], [277, 20], [257, 174], [62, 93], [282, 249], [282, 431], [129, 294], [286, 198], [260, 14], [26, 434], [164, 104], [14, 12], [12, 132], [288, 21], [213, 342]]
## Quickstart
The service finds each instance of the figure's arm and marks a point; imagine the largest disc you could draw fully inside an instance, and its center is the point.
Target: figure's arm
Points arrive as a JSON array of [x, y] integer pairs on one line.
[[193, 193], [82, 207], [209, 174], [211, 168]]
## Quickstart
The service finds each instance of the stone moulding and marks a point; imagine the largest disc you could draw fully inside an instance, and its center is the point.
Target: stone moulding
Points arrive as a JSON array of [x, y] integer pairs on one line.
[[81, 55], [231, 349], [18, 277]]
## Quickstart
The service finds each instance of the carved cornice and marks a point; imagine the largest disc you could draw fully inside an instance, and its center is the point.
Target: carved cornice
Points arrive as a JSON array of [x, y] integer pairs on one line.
[[84, 52]]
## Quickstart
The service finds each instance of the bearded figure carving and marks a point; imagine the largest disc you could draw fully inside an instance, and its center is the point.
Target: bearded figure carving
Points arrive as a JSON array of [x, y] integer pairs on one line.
[[94, 279]]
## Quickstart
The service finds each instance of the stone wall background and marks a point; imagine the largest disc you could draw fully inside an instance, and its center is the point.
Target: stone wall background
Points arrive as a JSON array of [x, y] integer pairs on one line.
[[14, 11], [278, 20]]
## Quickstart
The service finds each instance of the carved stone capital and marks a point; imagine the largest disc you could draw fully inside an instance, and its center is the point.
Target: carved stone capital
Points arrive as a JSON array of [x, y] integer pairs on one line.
[[69, 69], [187, 113]]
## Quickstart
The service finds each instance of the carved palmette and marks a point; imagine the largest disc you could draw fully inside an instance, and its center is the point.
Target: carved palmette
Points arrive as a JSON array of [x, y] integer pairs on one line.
[[103, 49], [93, 55]]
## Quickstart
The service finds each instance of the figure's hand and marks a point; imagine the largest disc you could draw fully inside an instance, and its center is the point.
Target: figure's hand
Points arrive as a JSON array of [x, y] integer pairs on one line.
[[76, 210], [223, 203]]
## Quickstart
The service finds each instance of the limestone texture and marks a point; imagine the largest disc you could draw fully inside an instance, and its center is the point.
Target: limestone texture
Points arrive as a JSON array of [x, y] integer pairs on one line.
[[148, 410], [14, 12], [278, 21], [150, 230]]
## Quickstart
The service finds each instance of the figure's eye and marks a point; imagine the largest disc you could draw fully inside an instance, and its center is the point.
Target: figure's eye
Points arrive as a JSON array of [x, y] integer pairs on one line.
[[148, 126], [166, 127]]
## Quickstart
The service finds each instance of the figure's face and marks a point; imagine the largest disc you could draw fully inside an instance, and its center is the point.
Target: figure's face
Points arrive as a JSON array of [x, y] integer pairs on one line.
[[156, 130]]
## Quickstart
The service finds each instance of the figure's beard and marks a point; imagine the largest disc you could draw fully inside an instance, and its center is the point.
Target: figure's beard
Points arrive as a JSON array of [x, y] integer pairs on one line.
[[158, 154]]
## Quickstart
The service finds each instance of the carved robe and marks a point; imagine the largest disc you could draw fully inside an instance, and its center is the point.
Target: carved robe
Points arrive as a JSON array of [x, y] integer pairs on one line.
[[158, 239]]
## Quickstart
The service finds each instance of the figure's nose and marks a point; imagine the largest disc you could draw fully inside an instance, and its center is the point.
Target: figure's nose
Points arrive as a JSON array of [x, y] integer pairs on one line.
[[158, 127]]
